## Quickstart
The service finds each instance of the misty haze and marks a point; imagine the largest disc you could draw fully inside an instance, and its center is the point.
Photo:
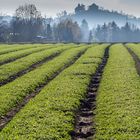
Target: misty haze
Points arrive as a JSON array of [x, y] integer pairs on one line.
[[87, 23], [69, 70]]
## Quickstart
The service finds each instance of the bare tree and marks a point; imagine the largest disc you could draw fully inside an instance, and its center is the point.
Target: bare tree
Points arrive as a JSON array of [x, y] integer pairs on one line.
[[27, 23]]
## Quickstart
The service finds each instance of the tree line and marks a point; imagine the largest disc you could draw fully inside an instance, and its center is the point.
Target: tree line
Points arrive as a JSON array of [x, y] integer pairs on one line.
[[28, 25], [112, 33]]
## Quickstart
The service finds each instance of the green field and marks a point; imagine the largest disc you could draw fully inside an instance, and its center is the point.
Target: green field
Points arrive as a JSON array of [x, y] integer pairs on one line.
[[70, 92]]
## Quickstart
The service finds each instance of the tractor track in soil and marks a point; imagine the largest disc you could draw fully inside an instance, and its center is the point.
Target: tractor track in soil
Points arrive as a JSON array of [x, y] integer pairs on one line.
[[135, 58], [84, 124], [4, 120]]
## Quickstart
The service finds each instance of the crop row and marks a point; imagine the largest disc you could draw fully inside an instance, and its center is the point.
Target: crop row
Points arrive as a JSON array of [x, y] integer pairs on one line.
[[13, 48], [21, 53], [50, 115], [118, 101], [14, 92], [13, 68], [135, 48], [5, 46]]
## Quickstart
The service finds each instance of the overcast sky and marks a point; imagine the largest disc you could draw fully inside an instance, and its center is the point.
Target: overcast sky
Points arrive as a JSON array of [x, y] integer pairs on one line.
[[51, 7]]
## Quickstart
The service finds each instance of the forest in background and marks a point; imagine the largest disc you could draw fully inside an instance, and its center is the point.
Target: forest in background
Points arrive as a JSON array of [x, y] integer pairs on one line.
[[94, 24]]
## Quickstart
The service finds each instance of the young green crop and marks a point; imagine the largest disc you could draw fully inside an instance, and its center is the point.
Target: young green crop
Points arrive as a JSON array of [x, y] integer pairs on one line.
[[14, 92], [21, 53], [13, 68], [118, 101], [135, 48], [50, 115], [4, 46], [13, 48], [8, 46]]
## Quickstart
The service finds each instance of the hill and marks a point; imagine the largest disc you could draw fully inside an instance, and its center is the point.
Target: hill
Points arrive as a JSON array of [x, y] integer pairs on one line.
[[95, 15]]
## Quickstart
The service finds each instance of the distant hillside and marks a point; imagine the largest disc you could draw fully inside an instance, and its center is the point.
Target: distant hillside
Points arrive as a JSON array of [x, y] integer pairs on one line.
[[95, 15]]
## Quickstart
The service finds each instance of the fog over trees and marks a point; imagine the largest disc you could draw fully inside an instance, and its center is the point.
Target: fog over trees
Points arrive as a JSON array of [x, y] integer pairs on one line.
[[28, 25]]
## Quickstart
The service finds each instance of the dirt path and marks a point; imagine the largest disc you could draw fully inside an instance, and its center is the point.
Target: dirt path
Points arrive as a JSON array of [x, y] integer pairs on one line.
[[4, 120], [85, 118], [135, 57]]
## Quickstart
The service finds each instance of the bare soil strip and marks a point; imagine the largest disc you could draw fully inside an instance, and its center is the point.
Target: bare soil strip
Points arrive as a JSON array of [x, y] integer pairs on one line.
[[84, 122], [32, 67], [136, 59], [8, 117]]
